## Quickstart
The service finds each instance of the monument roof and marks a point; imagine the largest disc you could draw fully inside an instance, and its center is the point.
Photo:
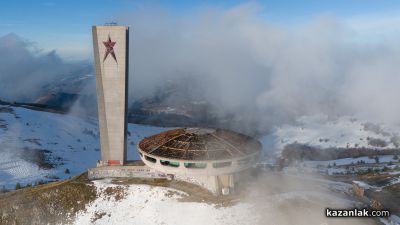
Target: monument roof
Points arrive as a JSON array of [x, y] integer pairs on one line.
[[199, 144]]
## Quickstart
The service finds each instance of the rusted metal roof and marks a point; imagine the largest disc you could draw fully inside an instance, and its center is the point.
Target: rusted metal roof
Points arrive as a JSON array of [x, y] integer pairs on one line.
[[199, 144]]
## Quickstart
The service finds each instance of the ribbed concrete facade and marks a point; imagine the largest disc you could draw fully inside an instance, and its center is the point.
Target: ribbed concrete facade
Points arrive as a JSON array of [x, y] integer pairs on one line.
[[110, 44]]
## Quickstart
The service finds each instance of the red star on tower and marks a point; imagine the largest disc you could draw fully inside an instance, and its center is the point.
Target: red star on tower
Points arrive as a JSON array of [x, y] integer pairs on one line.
[[109, 48]]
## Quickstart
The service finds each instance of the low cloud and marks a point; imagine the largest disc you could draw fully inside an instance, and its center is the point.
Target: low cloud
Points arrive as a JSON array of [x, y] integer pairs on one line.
[[261, 71], [26, 72]]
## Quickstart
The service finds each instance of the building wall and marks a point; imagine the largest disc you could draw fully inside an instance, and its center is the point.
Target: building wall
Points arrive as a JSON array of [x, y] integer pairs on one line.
[[211, 183], [236, 165], [111, 85], [123, 171], [214, 184]]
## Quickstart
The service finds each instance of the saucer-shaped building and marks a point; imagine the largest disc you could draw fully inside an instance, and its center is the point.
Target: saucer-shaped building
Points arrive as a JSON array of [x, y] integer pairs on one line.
[[212, 158]]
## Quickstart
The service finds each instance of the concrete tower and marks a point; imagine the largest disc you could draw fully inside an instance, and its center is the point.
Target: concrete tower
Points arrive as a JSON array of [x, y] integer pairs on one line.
[[110, 44]]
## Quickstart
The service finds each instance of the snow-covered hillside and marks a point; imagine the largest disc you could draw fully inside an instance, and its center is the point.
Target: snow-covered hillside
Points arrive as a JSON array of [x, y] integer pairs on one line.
[[143, 204], [273, 199], [37, 145], [324, 132]]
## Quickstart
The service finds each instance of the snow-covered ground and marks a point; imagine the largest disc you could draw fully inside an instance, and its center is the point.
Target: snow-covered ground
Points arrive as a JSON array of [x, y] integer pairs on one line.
[[324, 132], [351, 165], [143, 204], [66, 141], [350, 161], [273, 199]]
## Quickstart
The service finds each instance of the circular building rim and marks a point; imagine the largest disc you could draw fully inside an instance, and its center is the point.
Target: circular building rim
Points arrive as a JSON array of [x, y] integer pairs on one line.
[[211, 167]]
